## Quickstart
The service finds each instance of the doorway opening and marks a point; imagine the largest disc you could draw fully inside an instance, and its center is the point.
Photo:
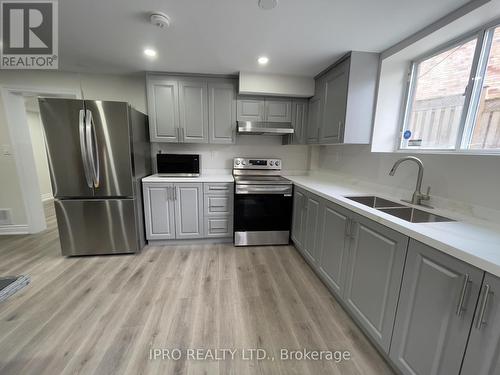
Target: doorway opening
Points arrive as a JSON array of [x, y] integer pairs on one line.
[[28, 150]]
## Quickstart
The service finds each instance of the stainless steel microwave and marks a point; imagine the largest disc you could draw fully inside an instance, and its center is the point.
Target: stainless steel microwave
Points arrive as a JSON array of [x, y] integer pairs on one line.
[[187, 165]]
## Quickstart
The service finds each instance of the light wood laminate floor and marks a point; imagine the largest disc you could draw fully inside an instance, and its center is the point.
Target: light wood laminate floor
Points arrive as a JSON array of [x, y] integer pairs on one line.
[[102, 315]]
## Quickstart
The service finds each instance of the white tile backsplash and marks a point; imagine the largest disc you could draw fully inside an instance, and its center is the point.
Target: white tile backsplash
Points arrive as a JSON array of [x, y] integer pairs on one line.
[[295, 158]]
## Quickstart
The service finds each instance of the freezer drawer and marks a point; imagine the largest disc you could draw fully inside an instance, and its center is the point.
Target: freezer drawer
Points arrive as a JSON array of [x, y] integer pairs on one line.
[[94, 226]]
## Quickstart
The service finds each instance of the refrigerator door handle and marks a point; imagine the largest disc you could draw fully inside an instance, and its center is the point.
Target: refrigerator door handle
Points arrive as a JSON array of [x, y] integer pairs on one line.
[[92, 147], [83, 148]]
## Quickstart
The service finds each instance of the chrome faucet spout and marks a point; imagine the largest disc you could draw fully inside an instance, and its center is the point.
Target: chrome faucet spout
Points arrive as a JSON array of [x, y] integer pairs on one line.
[[417, 197]]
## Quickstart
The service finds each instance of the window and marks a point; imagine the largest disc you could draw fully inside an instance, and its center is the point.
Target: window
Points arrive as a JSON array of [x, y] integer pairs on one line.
[[454, 97]]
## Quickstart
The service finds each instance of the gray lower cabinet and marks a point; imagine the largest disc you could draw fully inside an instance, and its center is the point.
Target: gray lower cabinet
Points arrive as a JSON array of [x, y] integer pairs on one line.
[[312, 221], [188, 199], [299, 217], [159, 215], [430, 313], [435, 312], [374, 273], [483, 350], [222, 112], [333, 247], [218, 209], [174, 211], [163, 109]]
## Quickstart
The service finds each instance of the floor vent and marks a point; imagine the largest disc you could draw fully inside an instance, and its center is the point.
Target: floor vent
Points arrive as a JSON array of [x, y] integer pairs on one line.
[[5, 216]]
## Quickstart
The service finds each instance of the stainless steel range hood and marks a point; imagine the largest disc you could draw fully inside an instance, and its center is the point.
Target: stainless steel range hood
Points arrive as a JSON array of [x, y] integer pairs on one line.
[[265, 128]]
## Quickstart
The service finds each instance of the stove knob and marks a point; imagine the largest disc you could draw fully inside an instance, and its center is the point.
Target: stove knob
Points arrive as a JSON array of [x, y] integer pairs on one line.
[[243, 162], [277, 163], [271, 163], [237, 162]]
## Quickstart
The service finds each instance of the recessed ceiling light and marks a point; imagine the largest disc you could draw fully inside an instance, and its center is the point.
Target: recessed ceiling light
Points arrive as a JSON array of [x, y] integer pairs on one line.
[[263, 60], [149, 52], [267, 4]]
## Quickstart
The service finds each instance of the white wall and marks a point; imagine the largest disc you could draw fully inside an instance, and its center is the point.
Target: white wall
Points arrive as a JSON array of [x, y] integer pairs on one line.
[[471, 179], [105, 87], [215, 158], [38, 144]]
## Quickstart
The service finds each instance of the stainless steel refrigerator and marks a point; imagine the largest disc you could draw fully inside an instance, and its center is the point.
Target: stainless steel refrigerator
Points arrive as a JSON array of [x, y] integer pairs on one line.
[[98, 152]]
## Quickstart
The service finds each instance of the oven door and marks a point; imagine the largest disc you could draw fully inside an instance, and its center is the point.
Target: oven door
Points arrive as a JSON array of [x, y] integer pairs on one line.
[[262, 215]]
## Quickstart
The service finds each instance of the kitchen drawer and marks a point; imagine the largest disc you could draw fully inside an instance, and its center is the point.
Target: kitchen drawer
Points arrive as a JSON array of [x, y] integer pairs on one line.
[[218, 204], [218, 188], [219, 226]]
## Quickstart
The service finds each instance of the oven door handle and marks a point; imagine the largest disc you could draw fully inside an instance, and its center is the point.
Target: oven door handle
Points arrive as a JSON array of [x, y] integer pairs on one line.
[[251, 189]]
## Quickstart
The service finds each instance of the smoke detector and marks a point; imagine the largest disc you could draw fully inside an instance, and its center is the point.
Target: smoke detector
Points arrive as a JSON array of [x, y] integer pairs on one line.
[[160, 20], [268, 4]]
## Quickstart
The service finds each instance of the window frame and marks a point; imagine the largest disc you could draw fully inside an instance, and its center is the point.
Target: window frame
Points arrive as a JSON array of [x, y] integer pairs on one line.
[[484, 35]]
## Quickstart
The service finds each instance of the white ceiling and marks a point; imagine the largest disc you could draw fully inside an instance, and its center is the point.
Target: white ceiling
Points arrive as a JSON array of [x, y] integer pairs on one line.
[[300, 37]]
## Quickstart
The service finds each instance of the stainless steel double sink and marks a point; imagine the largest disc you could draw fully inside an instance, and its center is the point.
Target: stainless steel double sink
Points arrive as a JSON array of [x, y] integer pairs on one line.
[[401, 211]]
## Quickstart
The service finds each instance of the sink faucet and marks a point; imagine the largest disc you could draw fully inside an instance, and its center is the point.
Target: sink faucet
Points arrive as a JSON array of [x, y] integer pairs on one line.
[[417, 197]]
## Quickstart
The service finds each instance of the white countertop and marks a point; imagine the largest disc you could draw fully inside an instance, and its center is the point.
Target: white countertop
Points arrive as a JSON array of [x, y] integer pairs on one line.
[[201, 178], [468, 239]]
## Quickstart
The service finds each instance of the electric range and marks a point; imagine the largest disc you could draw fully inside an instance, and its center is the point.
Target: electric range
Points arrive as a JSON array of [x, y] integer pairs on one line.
[[262, 203]]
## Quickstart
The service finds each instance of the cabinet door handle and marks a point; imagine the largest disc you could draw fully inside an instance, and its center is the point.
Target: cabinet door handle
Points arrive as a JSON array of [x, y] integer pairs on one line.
[[463, 294], [174, 190], [352, 229], [484, 303], [168, 193], [347, 230]]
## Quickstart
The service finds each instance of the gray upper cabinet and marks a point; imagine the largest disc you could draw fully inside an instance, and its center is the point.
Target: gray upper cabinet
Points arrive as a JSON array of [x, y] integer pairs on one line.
[[260, 109], [435, 312], [185, 109], [299, 122], [159, 212], [193, 111], [482, 356], [341, 110], [189, 210], [250, 109], [163, 108], [333, 248], [222, 112], [278, 110], [375, 270], [314, 119], [335, 101]]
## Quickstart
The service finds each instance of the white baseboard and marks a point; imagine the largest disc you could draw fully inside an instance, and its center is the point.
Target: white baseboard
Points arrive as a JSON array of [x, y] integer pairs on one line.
[[13, 229], [47, 197]]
